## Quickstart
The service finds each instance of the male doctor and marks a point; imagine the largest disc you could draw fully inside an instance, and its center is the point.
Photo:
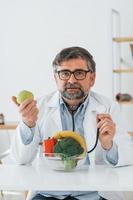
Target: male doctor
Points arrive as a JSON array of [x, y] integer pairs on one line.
[[73, 107]]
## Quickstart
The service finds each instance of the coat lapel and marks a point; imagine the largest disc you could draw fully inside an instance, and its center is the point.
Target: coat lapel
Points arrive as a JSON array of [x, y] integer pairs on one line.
[[55, 119]]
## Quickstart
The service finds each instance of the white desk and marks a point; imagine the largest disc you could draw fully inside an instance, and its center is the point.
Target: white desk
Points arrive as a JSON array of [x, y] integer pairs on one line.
[[101, 178]]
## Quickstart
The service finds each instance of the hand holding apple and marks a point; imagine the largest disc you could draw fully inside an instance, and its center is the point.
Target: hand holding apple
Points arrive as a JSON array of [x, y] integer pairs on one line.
[[27, 107]]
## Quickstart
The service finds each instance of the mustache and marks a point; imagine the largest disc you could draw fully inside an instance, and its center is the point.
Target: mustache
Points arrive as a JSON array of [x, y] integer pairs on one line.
[[72, 86]]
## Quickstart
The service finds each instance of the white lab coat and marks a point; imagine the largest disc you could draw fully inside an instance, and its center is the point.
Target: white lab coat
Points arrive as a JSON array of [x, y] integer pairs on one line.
[[49, 122]]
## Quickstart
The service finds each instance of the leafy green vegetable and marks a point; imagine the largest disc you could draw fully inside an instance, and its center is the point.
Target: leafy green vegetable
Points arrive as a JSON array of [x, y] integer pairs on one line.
[[69, 148]]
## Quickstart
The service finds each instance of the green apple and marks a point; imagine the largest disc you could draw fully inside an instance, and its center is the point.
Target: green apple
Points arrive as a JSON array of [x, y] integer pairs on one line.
[[23, 95]]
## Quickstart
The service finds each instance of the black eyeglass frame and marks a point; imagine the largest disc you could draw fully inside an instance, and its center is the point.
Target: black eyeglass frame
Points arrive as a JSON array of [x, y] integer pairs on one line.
[[74, 73]]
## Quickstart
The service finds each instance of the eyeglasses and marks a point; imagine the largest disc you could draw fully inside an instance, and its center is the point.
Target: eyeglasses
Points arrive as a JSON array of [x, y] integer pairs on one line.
[[78, 74]]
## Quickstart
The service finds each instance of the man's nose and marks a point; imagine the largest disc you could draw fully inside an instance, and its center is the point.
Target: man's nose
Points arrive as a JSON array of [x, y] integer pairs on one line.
[[72, 79]]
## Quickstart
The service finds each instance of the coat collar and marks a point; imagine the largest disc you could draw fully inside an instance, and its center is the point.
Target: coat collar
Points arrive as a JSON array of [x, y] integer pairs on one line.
[[54, 101], [93, 105]]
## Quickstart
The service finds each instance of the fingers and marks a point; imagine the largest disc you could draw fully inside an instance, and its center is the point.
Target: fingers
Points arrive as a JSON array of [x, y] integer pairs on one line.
[[103, 116], [30, 114], [14, 99], [31, 119], [25, 103], [107, 128], [27, 106], [28, 111], [105, 124]]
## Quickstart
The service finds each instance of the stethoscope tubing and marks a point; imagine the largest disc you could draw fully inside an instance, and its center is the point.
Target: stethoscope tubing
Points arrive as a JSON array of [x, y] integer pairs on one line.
[[97, 137]]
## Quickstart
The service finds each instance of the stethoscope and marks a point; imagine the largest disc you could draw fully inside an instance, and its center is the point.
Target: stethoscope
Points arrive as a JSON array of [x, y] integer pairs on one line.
[[97, 134], [97, 137]]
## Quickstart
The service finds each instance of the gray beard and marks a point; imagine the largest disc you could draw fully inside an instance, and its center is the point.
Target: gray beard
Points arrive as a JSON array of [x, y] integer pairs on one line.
[[78, 95]]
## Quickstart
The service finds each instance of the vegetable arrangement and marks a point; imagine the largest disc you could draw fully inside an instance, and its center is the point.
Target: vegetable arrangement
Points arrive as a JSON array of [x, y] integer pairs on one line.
[[68, 145]]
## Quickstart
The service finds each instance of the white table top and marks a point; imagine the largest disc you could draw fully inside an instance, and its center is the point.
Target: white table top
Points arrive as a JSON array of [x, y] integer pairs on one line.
[[39, 177]]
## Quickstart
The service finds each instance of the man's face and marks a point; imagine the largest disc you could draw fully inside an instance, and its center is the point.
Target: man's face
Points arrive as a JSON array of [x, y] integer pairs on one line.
[[73, 89]]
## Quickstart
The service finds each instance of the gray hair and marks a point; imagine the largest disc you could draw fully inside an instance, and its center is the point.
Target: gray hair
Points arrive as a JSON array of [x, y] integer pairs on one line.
[[72, 53]]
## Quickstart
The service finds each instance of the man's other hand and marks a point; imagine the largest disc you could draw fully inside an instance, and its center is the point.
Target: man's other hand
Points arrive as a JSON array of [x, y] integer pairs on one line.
[[107, 130]]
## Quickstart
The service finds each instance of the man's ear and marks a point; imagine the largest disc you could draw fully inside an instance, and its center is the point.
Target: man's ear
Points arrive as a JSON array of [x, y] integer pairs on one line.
[[93, 77], [55, 77]]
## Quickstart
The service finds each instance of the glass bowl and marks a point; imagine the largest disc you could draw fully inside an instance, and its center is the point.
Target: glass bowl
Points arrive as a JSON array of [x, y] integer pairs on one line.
[[58, 161]]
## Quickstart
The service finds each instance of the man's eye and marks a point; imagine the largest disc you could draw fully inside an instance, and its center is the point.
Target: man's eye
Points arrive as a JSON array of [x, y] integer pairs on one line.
[[79, 73], [65, 73]]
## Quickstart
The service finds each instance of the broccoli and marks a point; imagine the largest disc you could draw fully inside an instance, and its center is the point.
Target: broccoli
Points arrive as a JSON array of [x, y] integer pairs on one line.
[[68, 147]]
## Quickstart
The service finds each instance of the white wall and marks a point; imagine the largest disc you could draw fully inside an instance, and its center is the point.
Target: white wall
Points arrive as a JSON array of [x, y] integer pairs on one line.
[[33, 31]]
